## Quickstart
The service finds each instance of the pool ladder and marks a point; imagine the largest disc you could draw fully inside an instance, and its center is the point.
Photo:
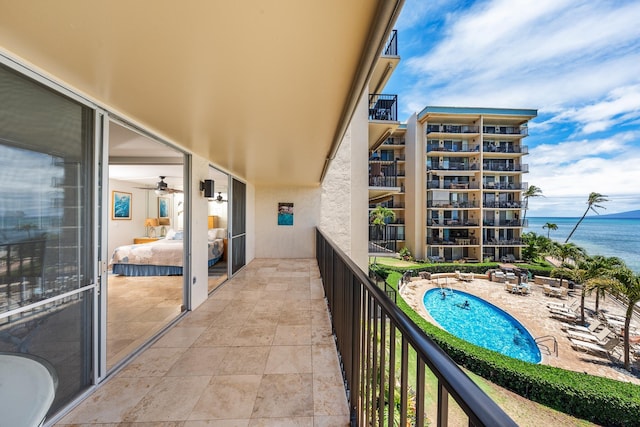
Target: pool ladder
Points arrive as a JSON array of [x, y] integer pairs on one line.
[[545, 338], [446, 286]]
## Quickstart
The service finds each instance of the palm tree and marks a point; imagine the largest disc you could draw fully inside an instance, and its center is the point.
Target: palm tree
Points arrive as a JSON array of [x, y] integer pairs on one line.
[[601, 282], [532, 191], [550, 226], [568, 253], [592, 204], [380, 216], [627, 284]]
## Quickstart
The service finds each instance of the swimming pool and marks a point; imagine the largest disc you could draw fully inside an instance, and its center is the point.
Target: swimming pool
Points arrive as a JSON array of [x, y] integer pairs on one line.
[[482, 323]]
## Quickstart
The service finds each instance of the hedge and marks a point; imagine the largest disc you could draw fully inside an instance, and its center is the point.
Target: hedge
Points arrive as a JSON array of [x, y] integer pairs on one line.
[[600, 400]]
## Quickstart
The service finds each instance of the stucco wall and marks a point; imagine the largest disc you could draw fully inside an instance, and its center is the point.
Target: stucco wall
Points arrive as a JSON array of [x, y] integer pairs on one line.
[[283, 241]]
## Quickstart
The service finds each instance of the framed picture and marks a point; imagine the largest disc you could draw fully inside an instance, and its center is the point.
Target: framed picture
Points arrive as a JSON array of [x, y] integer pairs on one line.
[[120, 205], [163, 207], [285, 213]]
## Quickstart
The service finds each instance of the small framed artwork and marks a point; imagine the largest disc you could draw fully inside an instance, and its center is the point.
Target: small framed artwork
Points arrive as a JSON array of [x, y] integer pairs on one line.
[[120, 205], [163, 207], [285, 213]]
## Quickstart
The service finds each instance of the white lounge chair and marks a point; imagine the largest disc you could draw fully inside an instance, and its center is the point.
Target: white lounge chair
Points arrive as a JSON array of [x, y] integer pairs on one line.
[[599, 337], [606, 348], [566, 316], [593, 326]]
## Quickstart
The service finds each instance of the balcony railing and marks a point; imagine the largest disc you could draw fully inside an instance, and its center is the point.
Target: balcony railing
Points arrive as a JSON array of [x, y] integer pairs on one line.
[[503, 242], [451, 223], [504, 186], [452, 166], [452, 129], [383, 173], [383, 107], [447, 185], [391, 49], [386, 233], [501, 167], [394, 141], [451, 205], [488, 148], [506, 223], [374, 339], [503, 205], [506, 130], [453, 149], [457, 241]]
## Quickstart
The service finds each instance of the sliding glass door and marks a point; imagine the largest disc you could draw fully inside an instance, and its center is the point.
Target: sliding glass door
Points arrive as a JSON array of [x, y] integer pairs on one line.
[[238, 225]]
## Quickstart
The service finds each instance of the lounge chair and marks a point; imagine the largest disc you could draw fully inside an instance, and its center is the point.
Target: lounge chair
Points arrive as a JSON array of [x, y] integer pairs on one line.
[[561, 305], [606, 348], [566, 316], [598, 337], [593, 326]]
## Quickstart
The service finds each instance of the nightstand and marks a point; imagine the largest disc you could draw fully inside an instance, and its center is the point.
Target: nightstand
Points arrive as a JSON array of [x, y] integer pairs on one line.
[[138, 240]]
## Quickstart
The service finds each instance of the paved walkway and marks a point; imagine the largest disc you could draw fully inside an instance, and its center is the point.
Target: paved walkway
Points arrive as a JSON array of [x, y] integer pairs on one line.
[[258, 352]]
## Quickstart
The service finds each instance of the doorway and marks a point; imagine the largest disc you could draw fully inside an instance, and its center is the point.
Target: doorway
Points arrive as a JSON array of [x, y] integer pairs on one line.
[[218, 226], [144, 283]]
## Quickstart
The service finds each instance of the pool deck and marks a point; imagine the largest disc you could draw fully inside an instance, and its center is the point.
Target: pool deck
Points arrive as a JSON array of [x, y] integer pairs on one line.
[[531, 310]]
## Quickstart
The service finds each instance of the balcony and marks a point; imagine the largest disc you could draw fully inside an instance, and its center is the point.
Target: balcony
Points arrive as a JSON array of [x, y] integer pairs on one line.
[[504, 186], [457, 241], [382, 234], [452, 205], [516, 204], [502, 167], [488, 148], [451, 223], [505, 130], [456, 148], [383, 107], [391, 49], [451, 166], [453, 129], [506, 223], [503, 242]]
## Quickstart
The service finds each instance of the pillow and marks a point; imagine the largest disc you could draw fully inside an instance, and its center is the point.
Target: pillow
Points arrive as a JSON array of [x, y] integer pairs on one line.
[[216, 233], [178, 235], [170, 234]]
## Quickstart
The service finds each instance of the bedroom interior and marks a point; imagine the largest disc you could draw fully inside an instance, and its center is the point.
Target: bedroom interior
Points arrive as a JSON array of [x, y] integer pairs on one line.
[[145, 283]]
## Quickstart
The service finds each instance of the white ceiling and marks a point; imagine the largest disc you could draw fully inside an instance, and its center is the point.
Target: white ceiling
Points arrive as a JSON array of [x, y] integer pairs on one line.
[[262, 88]]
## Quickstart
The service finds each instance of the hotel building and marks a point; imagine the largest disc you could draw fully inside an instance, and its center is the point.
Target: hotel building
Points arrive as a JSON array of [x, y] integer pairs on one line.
[[454, 178]]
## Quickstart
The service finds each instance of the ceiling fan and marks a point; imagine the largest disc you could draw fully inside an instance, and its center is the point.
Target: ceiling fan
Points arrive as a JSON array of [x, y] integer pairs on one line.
[[219, 198], [162, 188]]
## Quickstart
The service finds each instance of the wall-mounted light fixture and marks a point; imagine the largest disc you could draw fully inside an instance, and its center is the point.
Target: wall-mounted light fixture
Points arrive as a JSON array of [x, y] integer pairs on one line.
[[208, 187]]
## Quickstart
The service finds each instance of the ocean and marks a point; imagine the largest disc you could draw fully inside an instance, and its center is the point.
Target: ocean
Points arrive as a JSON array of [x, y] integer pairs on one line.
[[598, 236]]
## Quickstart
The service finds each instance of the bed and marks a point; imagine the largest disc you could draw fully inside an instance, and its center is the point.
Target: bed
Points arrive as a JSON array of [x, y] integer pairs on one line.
[[162, 257]]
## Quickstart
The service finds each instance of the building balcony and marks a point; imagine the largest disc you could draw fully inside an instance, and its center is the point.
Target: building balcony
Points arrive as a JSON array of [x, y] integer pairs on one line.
[[383, 107], [461, 148], [444, 204], [452, 129], [505, 130], [503, 242], [504, 186], [386, 233], [447, 185], [399, 142], [451, 166], [457, 241], [506, 223], [451, 223], [501, 167], [488, 148], [504, 205]]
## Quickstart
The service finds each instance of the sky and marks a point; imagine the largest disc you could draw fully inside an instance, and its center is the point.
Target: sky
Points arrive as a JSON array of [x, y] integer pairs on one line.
[[576, 62]]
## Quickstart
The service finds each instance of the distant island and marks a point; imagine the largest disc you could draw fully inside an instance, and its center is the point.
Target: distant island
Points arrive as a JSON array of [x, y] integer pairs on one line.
[[623, 215]]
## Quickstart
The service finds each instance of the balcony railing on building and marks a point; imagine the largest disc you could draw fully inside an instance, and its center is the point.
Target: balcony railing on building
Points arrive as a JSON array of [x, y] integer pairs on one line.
[[505, 186], [503, 167], [452, 185], [506, 223], [383, 173], [515, 204], [452, 129], [447, 222], [375, 338], [489, 148], [453, 148], [506, 130], [394, 141], [386, 238], [446, 204], [452, 166], [391, 49], [457, 241], [383, 107], [503, 242]]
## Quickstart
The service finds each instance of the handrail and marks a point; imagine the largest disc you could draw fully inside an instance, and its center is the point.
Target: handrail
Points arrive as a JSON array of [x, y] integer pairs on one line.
[[361, 312], [546, 338]]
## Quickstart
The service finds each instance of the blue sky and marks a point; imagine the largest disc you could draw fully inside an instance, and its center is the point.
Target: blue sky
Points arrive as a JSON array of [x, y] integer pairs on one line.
[[576, 62]]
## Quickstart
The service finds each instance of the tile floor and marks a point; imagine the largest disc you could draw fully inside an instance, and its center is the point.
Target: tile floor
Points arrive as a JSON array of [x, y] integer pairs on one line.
[[259, 352]]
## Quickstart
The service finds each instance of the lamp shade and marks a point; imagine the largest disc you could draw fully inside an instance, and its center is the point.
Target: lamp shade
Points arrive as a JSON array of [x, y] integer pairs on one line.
[[151, 222]]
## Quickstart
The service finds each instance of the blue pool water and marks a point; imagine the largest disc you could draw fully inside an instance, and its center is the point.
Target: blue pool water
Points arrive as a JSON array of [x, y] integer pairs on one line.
[[481, 323]]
